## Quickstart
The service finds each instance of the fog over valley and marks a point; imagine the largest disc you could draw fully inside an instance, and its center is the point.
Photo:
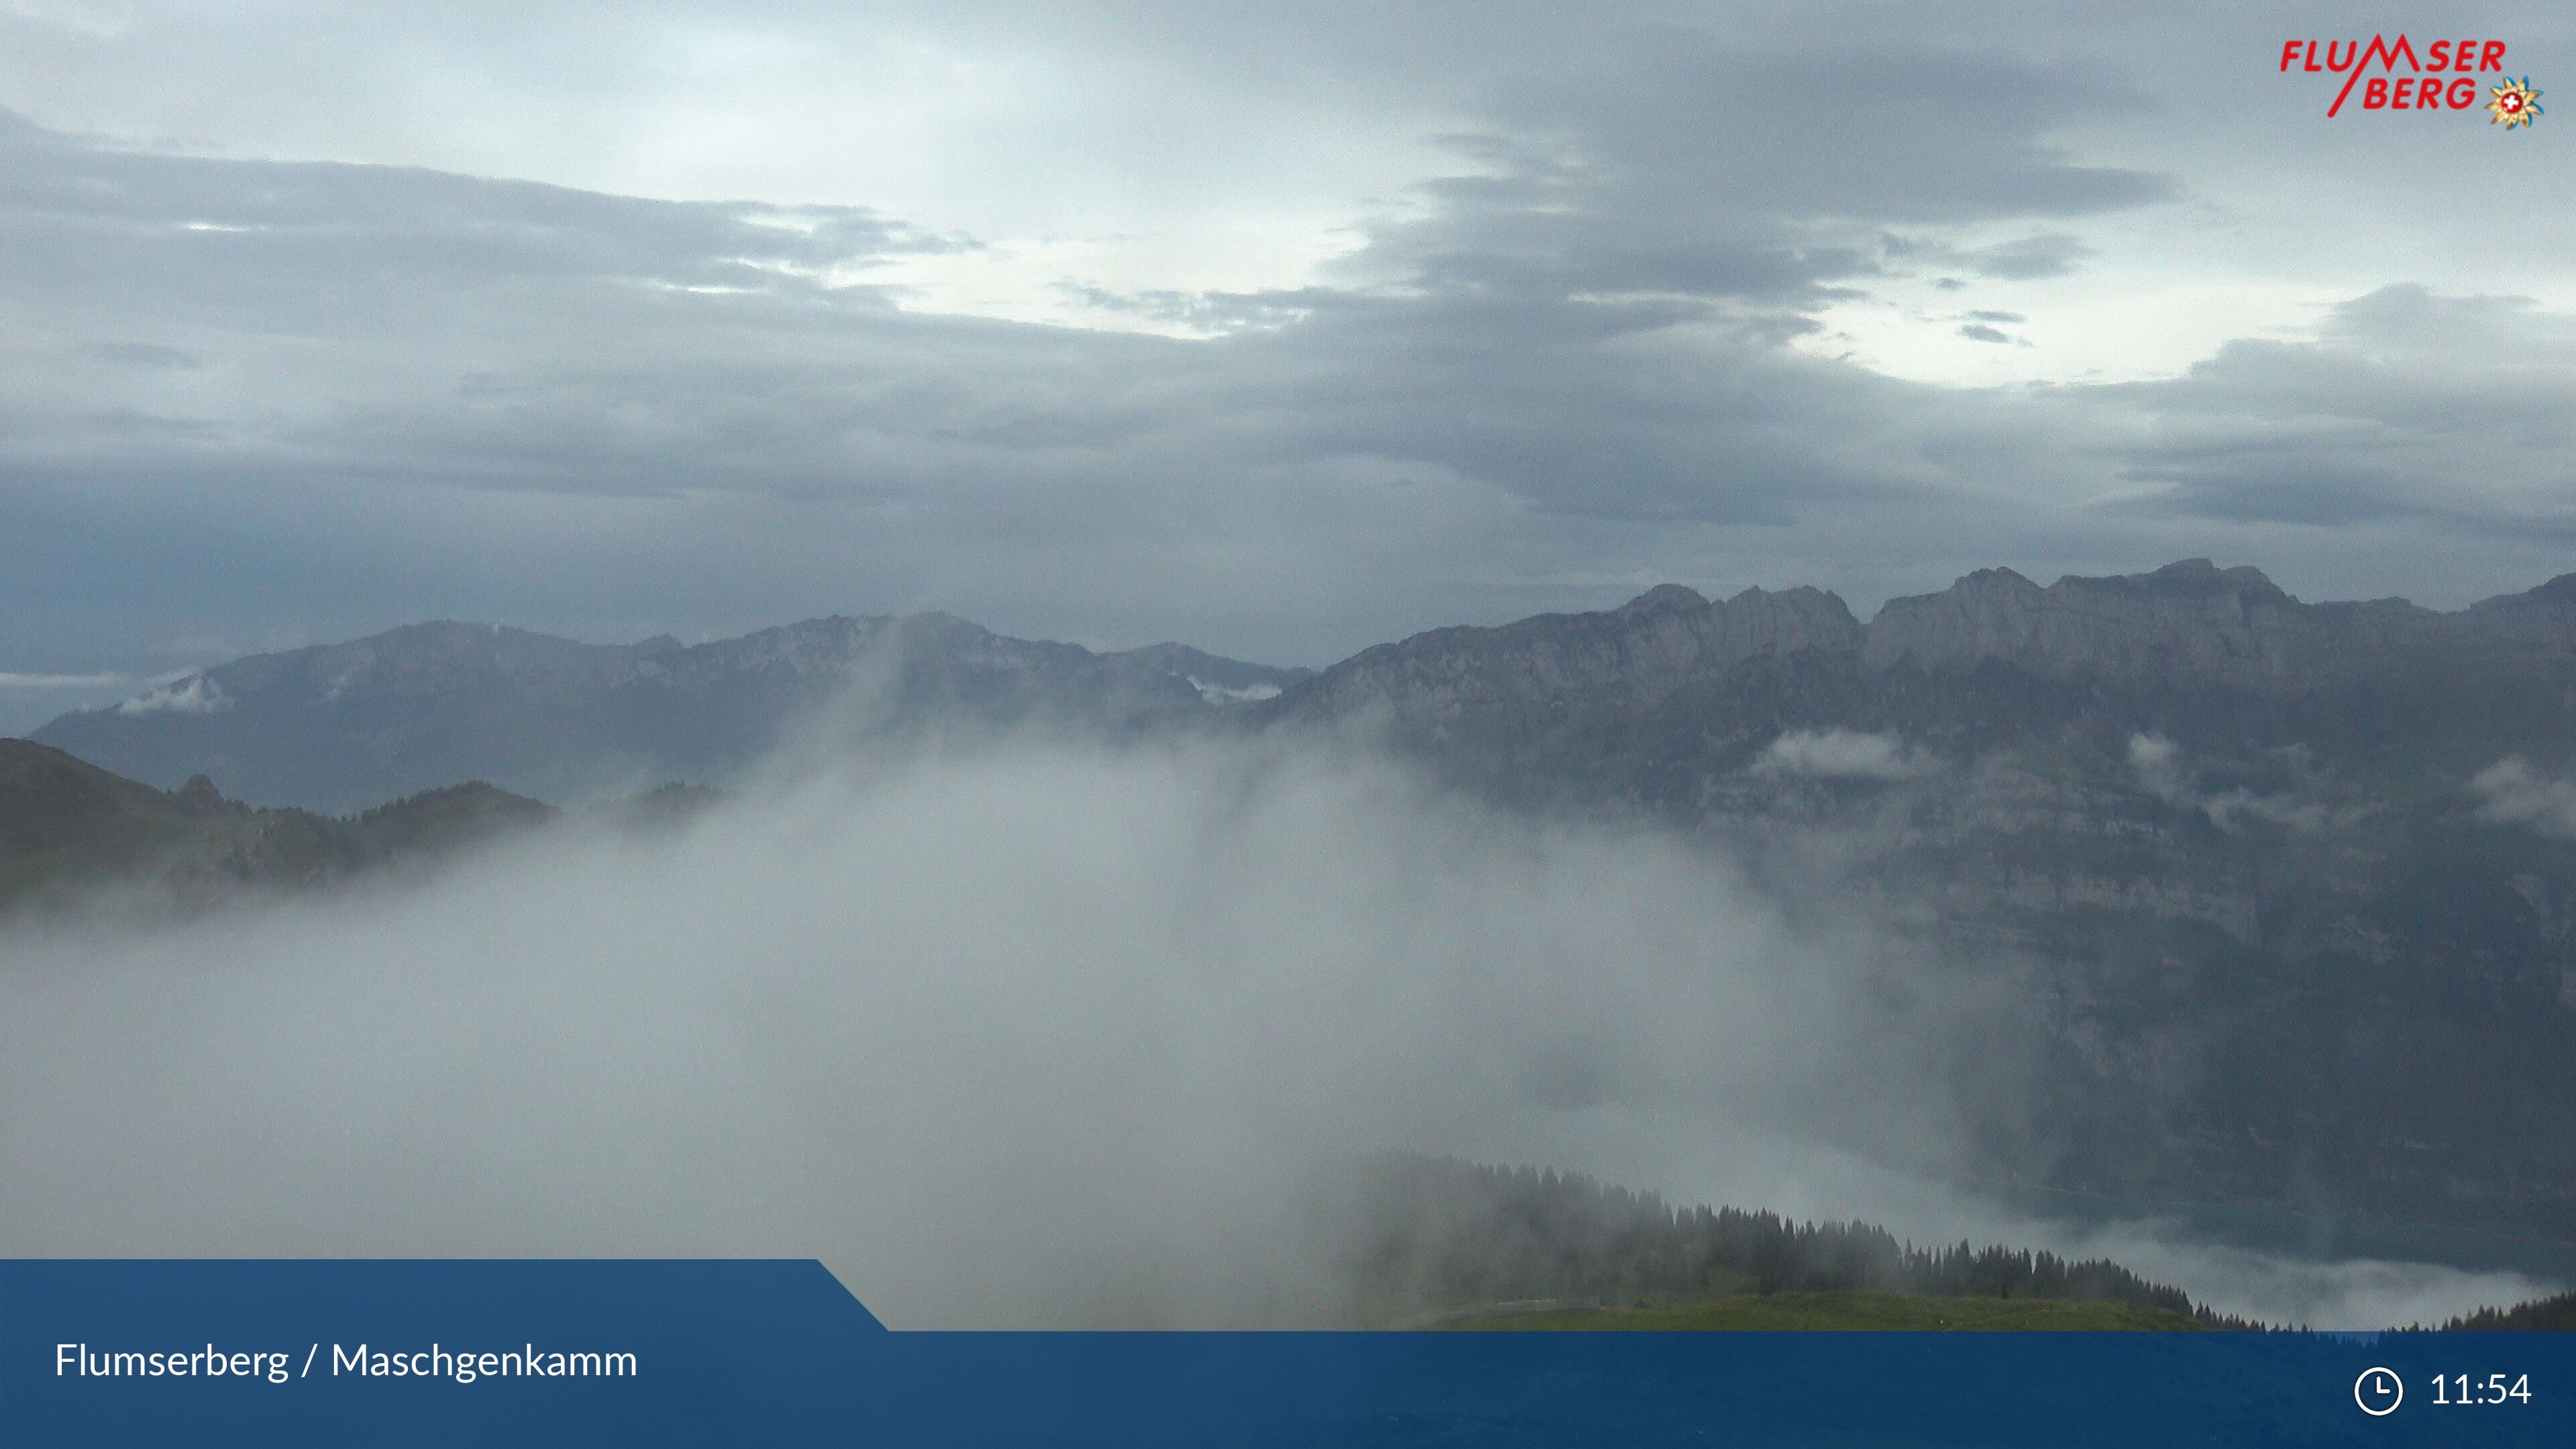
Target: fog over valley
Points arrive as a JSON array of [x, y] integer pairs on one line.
[[1025, 1035]]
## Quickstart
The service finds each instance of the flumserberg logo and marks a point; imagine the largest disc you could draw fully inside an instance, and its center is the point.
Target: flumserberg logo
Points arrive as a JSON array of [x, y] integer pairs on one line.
[[2445, 75]]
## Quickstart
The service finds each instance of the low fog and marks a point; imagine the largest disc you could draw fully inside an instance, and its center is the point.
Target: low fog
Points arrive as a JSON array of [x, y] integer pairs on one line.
[[1012, 1037]]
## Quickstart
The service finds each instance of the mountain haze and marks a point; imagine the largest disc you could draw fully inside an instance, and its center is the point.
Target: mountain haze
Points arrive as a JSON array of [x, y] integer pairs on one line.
[[341, 727], [2282, 896]]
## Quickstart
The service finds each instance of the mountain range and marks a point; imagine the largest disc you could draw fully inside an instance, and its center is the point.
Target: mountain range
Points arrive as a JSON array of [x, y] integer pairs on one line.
[[2279, 898], [345, 726], [2281, 893], [340, 727]]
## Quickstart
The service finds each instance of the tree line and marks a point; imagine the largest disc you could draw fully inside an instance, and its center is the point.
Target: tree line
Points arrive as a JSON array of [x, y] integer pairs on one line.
[[1445, 1232]]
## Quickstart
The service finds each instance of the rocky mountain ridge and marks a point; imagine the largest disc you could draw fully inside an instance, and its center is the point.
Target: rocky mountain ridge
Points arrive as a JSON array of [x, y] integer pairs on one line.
[[339, 727], [2273, 891], [2189, 624]]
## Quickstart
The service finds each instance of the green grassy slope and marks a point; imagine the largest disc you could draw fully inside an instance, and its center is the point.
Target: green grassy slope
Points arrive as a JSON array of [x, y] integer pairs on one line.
[[69, 830]]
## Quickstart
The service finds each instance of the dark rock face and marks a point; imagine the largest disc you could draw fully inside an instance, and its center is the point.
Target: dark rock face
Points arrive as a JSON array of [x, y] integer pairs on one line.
[[2186, 622], [2193, 624], [2188, 625], [343, 726], [2245, 867], [1633, 656]]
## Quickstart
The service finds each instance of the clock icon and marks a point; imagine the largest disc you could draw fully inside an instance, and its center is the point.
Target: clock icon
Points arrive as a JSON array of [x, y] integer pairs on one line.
[[2378, 1391]]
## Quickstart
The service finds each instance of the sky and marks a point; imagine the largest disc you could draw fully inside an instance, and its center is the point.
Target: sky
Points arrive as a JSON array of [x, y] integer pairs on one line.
[[1280, 330]]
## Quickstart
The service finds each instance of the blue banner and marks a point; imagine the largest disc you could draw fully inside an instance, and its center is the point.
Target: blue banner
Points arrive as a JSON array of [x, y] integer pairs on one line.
[[773, 1352]]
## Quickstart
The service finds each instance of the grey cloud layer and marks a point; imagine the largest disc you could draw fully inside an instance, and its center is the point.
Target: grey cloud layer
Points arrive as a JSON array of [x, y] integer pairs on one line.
[[263, 397], [2451, 410]]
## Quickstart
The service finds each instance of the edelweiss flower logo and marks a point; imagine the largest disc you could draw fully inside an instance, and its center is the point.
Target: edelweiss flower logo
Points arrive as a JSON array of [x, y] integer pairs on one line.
[[2515, 104]]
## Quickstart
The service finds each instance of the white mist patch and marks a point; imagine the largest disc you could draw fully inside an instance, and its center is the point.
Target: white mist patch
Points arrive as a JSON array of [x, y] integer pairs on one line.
[[2351, 1294], [2159, 767], [1031, 1037], [1226, 694], [1840, 754], [197, 694], [2511, 792]]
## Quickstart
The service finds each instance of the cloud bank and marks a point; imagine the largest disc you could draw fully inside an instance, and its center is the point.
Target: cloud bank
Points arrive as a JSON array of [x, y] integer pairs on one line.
[[1036, 1037], [198, 694], [1053, 1038], [1576, 315]]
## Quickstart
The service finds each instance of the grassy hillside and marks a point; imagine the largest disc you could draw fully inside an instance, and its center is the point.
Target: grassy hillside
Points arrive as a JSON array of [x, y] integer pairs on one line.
[[60, 816], [70, 832], [1850, 1312]]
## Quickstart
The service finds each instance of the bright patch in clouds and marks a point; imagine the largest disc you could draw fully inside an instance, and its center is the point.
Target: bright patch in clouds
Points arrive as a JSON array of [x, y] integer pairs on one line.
[[2108, 325], [1124, 283], [59, 681], [1554, 283]]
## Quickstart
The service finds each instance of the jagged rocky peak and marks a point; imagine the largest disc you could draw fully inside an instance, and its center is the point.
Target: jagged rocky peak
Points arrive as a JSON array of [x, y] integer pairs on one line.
[[1752, 621], [2192, 623], [1664, 639], [2191, 578], [199, 796], [1663, 599], [1994, 582], [2190, 620], [1786, 621], [2535, 629], [1801, 615], [1672, 631]]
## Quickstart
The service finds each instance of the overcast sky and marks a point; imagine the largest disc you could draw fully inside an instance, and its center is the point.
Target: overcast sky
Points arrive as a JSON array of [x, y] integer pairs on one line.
[[1280, 329]]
